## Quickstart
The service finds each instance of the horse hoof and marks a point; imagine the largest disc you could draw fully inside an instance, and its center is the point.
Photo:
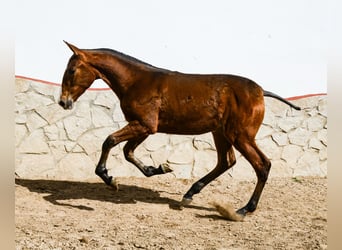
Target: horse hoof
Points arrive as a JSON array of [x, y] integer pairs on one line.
[[165, 168], [242, 211], [185, 202], [114, 184]]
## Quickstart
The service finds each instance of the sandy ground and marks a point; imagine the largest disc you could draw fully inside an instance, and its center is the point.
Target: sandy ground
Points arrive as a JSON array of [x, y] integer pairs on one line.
[[52, 214]]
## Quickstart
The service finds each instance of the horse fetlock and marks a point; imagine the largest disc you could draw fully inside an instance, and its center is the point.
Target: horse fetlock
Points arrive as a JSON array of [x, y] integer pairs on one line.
[[149, 171], [249, 208], [195, 189], [162, 169], [102, 172]]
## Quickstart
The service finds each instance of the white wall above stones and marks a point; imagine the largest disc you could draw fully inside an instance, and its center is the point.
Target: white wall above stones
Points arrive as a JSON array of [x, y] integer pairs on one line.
[[61, 144]]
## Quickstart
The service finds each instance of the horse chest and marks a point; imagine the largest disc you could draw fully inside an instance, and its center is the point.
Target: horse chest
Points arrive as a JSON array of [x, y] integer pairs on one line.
[[139, 107]]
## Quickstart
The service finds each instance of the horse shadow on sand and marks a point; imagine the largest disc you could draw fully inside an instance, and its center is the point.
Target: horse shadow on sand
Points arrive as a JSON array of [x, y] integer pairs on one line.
[[57, 191]]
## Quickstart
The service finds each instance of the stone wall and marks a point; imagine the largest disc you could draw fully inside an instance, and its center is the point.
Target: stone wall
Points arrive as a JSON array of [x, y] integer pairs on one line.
[[66, 144]]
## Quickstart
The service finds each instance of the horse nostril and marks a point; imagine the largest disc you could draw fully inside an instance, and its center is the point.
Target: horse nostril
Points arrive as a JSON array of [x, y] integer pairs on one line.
[[62, 103], [66, 103]]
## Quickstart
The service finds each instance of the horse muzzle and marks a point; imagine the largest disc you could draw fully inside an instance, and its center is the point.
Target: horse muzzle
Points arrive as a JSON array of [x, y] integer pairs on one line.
[[66, 103]]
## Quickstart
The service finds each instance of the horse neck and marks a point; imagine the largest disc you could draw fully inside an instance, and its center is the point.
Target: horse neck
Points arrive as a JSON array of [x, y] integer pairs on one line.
[[116, 72]]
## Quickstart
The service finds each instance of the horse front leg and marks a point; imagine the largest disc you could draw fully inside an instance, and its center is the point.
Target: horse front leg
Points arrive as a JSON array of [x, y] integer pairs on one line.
[[148, 171], [130, 131]]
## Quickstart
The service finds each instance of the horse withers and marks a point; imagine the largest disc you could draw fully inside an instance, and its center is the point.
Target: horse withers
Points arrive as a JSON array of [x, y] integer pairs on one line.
[[154, 100]]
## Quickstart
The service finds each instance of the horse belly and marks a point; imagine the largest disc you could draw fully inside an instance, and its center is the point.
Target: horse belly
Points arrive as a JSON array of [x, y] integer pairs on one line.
[[189, 119]]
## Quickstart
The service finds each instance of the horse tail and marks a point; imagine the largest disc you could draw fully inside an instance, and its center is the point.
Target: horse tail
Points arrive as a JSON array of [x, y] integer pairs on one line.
[[270, 94]]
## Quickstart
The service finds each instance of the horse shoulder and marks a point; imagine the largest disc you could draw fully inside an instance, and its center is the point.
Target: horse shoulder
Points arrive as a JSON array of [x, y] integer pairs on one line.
[[142, 103]]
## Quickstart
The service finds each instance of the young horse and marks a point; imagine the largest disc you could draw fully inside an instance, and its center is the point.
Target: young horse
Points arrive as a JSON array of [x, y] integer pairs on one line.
[[158, 100]]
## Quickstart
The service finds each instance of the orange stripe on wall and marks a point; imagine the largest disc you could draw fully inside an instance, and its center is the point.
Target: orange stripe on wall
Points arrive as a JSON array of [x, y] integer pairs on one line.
[[96, 89], [36, 80], [303, 96]]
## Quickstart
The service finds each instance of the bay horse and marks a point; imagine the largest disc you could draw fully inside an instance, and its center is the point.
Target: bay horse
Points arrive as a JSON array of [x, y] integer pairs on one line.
[[154, 100]]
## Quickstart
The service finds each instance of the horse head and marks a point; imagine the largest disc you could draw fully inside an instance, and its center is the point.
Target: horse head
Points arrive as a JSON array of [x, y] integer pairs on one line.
[[78, 76]]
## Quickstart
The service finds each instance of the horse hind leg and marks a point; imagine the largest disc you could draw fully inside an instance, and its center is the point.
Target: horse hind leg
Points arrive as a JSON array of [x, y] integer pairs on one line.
[[261, 165], [224, 148], [148, 171]]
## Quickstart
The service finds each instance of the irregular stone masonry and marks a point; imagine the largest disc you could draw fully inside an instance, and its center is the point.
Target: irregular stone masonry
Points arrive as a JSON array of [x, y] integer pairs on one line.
[[66, 144]]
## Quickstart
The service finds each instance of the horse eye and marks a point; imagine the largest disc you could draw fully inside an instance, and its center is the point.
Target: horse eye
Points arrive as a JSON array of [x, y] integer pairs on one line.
[[71, 71]]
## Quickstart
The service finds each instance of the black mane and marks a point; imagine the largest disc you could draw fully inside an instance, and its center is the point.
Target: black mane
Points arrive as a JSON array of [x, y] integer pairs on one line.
[[126, 57]]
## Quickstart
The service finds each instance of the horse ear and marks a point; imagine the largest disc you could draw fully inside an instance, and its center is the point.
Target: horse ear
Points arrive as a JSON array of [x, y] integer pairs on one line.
[[74, 49]]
